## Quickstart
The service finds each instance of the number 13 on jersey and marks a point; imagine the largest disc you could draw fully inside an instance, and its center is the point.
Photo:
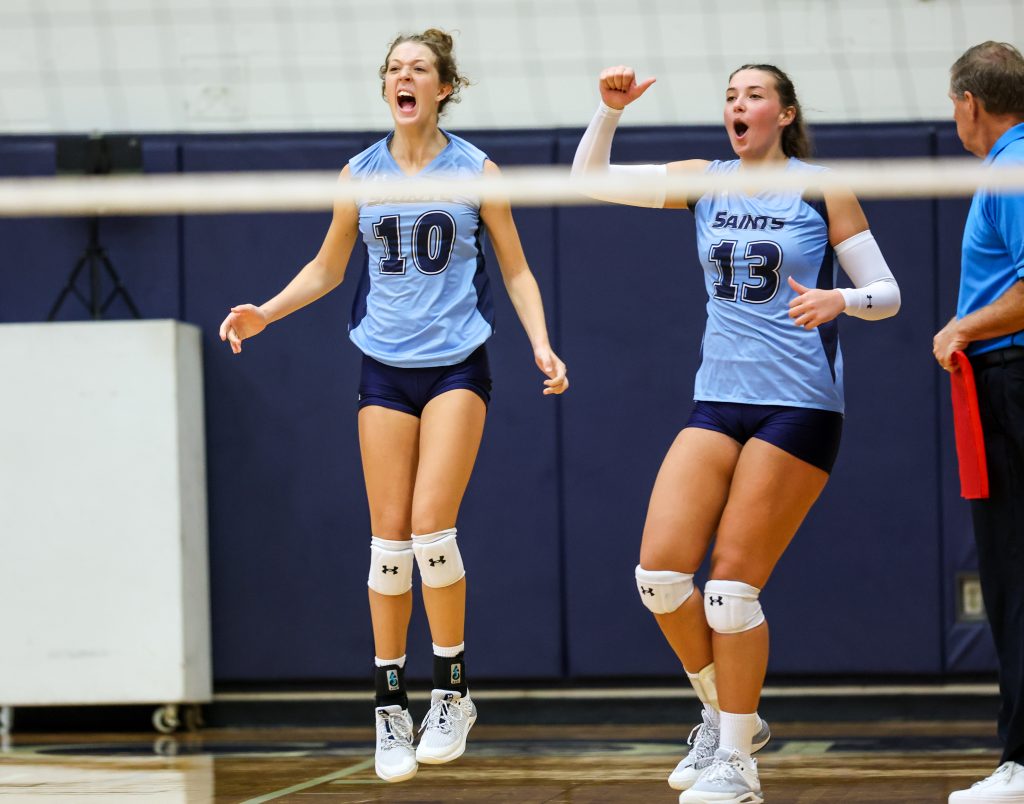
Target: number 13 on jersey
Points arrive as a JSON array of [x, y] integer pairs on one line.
[[765, 260]]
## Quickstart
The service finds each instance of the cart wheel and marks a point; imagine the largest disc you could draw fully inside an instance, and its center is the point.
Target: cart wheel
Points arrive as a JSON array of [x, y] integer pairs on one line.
[[165, 718], [193, 717], [165, 746]]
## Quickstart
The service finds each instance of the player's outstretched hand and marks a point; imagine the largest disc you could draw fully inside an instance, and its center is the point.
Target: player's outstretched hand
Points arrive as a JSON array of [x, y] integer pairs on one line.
[[552, 365], [242, 322], [813, 307], [619, 86]]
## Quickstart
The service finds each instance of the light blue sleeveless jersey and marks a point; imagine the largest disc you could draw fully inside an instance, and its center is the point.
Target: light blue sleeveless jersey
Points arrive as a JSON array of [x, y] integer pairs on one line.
[[424, 298], [752, 351]]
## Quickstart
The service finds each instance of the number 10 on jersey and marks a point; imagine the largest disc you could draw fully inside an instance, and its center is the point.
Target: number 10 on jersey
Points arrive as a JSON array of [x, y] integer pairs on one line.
[[433, 238]]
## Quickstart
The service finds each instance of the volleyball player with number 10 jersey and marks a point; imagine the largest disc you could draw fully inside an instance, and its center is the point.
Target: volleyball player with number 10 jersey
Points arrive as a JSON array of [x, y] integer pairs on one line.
[[429, 305], [421, 317], [764, 431]]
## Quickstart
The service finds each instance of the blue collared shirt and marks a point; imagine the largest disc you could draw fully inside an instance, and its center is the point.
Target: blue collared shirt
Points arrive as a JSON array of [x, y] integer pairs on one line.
[[992, 258]]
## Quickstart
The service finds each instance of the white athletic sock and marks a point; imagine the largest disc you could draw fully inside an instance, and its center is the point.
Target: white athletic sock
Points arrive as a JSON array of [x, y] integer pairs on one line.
[[400, 661], [449, 653], [738, 731]]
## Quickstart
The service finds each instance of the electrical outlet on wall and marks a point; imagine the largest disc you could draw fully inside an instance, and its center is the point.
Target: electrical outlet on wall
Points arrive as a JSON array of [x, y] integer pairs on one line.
[[969, 604]]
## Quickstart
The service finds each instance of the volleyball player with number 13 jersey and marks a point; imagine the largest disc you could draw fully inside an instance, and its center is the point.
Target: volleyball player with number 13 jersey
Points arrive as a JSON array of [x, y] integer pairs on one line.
[[760, 442]]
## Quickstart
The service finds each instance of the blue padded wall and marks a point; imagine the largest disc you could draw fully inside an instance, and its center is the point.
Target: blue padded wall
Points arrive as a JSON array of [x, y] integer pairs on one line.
[[509, 523], [857, 591], [551, 522], [288, 520], [632, 303], [969, 645], [41, 253], [38, 253]]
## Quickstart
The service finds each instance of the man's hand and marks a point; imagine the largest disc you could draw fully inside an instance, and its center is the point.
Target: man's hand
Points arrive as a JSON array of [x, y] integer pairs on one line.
[[946, 341]]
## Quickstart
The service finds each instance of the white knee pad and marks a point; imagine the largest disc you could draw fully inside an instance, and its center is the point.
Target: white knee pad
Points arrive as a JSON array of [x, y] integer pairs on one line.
[[663, 591], [732, 606], [390, 566], [438, 557]]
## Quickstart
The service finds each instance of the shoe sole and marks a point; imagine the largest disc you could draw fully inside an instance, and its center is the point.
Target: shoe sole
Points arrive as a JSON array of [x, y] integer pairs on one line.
[[682, 784], [758, 746], [402, 777], [716, 798], [441, 759]]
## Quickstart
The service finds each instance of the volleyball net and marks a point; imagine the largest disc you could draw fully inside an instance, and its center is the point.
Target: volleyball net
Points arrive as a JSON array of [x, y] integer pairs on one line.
[[212, 193], [310, 65]]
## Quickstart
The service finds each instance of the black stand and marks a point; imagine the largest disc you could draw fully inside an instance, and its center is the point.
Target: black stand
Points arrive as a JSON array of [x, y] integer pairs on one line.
[[94, 256], [96, 156]]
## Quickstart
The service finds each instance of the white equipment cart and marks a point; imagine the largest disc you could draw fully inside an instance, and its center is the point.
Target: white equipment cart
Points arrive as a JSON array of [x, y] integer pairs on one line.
[[104, 597]]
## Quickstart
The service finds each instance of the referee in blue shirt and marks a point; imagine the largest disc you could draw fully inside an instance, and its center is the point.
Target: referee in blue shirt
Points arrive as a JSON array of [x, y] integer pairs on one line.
[[987, 90]]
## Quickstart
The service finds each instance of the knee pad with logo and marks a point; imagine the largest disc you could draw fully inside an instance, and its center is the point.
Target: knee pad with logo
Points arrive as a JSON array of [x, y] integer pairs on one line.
[[663, 591], [438, 557], [732, 606], [390, 566]]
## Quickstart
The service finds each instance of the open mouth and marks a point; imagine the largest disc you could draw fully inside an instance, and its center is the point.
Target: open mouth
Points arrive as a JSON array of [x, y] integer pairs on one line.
[[406, 100], [740, 129]]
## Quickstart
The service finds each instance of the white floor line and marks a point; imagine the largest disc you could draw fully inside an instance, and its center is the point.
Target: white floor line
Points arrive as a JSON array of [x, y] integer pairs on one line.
[[295, 788], [625, 693]]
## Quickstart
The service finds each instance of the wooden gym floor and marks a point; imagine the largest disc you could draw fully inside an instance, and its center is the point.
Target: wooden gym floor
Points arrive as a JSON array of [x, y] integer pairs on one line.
[[864, 761]]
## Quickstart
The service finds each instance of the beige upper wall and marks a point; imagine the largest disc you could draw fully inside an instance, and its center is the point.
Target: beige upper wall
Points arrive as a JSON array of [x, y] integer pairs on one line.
[[271, 65]]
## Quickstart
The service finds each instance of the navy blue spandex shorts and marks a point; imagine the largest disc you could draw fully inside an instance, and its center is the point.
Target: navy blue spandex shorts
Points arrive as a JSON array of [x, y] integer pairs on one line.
[[410, 389], [809, 434]]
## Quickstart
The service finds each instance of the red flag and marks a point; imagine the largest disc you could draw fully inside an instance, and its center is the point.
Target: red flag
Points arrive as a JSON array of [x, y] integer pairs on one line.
[[970, 444]]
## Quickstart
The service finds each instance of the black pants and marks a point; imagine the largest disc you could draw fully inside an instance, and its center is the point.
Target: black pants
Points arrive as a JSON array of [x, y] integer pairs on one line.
[[999, 534]]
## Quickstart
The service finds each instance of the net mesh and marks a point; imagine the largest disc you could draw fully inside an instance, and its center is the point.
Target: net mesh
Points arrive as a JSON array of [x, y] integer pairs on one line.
[[243, 65]]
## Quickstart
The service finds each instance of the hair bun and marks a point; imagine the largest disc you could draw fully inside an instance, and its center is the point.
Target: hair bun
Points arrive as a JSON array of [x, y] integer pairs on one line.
[[441, 37]]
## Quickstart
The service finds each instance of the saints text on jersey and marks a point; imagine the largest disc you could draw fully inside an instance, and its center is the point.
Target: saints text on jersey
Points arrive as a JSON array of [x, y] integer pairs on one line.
[[725, 220]]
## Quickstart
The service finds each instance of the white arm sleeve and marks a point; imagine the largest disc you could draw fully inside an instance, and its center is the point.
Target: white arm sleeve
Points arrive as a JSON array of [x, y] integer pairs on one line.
[[876, 294], [593, 156]]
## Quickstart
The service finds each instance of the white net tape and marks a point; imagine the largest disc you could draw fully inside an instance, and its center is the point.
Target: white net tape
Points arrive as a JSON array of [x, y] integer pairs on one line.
[[212, 193]]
